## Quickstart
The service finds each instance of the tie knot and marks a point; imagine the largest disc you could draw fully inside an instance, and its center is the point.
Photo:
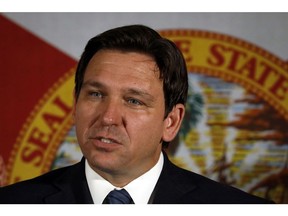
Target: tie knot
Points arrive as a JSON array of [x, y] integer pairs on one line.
[[118, 197]]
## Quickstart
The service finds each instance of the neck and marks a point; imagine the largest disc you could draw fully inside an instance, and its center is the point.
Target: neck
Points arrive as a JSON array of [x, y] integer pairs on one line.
[[121, 178]]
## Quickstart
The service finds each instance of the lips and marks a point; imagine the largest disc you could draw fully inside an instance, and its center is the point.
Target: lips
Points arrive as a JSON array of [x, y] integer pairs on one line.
[[107, 140], [104, 137], [104, 144]]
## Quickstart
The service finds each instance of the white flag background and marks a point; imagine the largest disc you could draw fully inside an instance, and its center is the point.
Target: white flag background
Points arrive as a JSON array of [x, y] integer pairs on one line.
[[70, 31]]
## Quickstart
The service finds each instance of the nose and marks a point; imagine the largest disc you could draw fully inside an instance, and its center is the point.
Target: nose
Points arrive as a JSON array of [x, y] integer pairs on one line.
[[111, 112]]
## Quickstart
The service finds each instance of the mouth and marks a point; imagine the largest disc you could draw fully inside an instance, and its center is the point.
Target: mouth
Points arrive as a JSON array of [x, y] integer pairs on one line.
[[105, 143], [106, 140]]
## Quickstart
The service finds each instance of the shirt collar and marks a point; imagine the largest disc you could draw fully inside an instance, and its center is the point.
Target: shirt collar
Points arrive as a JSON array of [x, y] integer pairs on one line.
[[140, 189]]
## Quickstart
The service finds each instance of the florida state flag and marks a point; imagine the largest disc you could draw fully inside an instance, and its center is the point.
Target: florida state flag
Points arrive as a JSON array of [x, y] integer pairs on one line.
[[235, 126], [34, 102]]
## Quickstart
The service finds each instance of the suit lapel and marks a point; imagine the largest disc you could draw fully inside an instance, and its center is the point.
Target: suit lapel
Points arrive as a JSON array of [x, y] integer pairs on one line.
[[171, 187], [72, 186]]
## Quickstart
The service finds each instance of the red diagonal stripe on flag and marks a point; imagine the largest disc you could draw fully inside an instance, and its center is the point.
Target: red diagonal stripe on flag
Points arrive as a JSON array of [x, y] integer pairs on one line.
[[29, 67]]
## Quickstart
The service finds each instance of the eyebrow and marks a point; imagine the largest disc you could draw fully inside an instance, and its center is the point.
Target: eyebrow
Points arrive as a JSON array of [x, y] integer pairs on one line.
[[139, 92], [132, 91], [93, 84]]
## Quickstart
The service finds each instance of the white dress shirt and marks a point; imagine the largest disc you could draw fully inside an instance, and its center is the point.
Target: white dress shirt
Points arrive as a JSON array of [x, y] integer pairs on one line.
[[140, 189]]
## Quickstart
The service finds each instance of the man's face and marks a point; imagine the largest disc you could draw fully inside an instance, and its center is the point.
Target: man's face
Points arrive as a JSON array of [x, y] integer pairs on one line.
[[119, 114]]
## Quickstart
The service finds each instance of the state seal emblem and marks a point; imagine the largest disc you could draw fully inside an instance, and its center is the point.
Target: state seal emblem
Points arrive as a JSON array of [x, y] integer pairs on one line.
[[234, 131]]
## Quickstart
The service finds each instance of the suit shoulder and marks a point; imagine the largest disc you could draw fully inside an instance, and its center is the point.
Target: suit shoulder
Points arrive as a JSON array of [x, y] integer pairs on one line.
[[32, 190], [206, 190]]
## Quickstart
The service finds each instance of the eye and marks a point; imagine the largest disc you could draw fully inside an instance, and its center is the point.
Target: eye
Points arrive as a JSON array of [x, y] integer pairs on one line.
[[96, 94], [134, 101]]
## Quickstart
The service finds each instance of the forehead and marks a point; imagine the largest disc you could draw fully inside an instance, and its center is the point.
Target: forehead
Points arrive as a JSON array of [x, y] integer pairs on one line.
[[131, 59], [119, 63]]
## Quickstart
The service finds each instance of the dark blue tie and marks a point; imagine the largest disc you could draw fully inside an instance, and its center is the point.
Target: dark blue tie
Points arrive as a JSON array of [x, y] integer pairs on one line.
[[118, 197]]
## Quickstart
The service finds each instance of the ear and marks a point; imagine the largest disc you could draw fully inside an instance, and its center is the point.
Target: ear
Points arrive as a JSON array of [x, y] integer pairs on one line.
[[173, 122]]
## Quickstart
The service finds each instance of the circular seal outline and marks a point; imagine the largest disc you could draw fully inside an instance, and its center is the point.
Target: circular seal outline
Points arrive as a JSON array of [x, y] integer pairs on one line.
[[166, 33], [228, 76]]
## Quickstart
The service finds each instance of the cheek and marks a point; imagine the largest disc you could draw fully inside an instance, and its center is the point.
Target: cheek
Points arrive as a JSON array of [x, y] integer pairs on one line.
[[82, 118], [145, 129], [84, 111]]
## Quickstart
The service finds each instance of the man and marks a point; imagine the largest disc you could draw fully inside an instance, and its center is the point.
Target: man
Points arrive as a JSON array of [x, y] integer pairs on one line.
[[130, 93]]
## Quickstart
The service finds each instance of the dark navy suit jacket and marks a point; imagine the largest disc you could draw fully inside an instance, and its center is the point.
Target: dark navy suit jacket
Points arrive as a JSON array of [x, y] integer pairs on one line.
[[174, 186]]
